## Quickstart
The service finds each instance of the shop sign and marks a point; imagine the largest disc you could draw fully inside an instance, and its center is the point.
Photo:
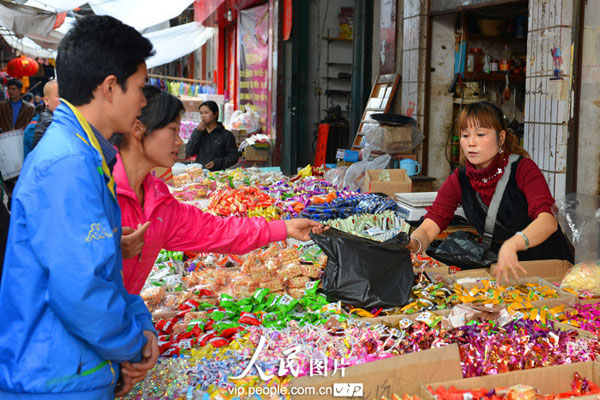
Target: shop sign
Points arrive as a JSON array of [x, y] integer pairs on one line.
[[253, 34]]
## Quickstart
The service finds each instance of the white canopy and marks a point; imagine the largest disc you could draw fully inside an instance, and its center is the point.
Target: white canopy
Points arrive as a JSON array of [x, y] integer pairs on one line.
[[25, 45], [173, 43], [140, 14], [169, 43]]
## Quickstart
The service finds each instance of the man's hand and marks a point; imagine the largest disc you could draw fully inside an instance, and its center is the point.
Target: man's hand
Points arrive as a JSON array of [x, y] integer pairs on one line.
[[209, 165], [301, 227], [201, 126], [137, 371], [132, 241], [124, 385]]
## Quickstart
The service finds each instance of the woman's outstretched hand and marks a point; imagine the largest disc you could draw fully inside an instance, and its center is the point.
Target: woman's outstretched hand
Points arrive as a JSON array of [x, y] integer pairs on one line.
[[300, 228]]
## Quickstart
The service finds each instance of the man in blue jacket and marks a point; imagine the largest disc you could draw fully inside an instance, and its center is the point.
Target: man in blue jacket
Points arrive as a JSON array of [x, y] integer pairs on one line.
[[69, 329]]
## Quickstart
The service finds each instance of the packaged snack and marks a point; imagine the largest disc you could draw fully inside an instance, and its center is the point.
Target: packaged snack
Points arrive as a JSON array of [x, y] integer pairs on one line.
[[296, 293], [289, 271], [180, 180], [311, 270], [583, 277], [273, 285], [298, 282], [194, 172], [152, 296]]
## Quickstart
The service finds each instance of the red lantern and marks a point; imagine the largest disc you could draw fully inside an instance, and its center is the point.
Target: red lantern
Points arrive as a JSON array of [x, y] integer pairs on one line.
[[22, 66]]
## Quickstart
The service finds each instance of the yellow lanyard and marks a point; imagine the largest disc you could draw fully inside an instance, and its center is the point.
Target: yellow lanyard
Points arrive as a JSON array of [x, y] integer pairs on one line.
[[94, 142]]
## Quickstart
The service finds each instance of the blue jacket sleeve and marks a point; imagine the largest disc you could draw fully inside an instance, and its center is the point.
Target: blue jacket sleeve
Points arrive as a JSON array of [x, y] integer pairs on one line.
[[73, 240]]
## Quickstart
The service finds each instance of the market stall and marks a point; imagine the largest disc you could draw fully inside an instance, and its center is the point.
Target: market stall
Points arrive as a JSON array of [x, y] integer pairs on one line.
[[273, 324]]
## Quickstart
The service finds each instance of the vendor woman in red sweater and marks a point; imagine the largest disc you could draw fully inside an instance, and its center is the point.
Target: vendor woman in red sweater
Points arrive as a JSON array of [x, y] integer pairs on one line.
[[525, 227]]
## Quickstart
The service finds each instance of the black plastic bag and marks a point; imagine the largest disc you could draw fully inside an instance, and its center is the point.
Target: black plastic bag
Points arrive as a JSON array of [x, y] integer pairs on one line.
[[462, 249], [365, 273]]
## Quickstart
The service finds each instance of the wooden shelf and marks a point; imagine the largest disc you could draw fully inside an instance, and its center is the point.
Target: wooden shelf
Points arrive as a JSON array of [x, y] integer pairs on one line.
[[332, 92], [493, 76], [334, 78], [340, 39], [496, 39]]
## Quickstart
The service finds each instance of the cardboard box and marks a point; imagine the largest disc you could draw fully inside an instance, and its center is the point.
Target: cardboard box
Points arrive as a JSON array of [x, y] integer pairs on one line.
[[252, 153], [388, 181], [550, 270], [466, 276], [396, 139], [565, 298], [401, 375], [555, 379]]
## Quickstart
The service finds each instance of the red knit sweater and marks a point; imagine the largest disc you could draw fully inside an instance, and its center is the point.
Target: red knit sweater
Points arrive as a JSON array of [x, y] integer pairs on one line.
[[530, 181]]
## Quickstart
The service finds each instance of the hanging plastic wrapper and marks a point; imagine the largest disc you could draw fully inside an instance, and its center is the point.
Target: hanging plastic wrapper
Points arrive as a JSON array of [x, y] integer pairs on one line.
[[365, 273], [391, 139], [355, 174], [579, 217]]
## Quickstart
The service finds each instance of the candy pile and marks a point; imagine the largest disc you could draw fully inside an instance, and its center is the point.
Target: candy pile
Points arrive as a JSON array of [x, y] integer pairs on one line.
[[486, 292], [239, 202], [586, 317], [426, 296], [487, 349], [348, 206], [200, 322], [580, 386]]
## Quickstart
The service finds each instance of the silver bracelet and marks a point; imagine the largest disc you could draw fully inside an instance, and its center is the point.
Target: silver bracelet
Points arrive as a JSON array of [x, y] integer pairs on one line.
[[418, 241]]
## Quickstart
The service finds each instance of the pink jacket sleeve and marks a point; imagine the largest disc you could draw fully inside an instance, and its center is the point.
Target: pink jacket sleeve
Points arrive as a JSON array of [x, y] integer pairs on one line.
[[190, 229]]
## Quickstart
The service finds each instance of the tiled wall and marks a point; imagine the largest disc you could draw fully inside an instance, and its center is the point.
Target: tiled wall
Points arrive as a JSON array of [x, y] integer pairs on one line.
[[548, 102], [413, 58]]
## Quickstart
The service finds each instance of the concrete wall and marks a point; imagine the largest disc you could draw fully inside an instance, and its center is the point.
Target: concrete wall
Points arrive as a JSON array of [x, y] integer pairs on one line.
[[441, 106], [324, 22], [588, 166]]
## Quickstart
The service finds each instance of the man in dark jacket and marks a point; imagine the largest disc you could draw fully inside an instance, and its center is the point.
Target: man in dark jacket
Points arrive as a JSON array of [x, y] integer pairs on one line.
[[51, 100], [14, 112]]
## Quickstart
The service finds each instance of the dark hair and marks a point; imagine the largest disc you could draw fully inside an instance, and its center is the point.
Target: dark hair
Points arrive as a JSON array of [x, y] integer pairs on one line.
[[28, 97], [487, 115], [96, 47], [40, 108], [212, 106], [161, 109], [14, 82]]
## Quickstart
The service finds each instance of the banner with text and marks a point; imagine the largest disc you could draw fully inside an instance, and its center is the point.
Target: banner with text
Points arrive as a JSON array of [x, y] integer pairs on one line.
[[253, 34]]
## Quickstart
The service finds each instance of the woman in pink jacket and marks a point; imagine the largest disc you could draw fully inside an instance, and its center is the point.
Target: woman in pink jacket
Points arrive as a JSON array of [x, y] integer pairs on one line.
[[153, 219]]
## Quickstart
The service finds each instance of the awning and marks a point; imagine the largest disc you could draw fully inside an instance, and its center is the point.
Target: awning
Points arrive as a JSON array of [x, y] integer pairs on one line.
[[23, 20], [140, 14], [173, 43], [25, 45]]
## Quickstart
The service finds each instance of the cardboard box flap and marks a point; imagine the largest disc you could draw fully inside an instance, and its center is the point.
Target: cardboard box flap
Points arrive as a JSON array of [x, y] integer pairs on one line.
[[555, 379], [552, 270], [401, 375]]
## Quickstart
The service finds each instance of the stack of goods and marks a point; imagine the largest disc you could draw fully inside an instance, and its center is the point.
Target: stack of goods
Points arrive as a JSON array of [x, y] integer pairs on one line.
[[580, 387], [586, 317], [348, 206], [200, 322], [583, 280], [241, 202], [295, 195], [380, 227], [277, 269]]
